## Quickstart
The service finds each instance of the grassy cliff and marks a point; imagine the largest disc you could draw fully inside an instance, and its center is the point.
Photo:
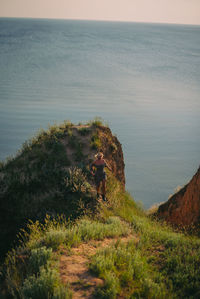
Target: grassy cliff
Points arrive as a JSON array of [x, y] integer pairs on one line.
[[50, 174], [106, 249]]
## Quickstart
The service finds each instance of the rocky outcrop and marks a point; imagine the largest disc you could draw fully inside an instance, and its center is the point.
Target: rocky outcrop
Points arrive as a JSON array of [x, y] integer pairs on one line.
[[183, 208], [95, 139], [51, 175], [113, 153]]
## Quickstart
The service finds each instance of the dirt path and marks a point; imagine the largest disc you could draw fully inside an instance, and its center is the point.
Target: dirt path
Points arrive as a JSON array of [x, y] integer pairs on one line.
[[74, 266]]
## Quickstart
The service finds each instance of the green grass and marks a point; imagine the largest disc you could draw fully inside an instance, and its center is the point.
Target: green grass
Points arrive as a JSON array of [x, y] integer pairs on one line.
[[120, 203], [84, 131], [175, 255], [162, 264], [95, 230], [157, 262], [31, 270], [56, 232], [95, 141], [170, 257], [38, 257], [77, 181], [39, 176], [125, 270], [97, 121], [46, 284]]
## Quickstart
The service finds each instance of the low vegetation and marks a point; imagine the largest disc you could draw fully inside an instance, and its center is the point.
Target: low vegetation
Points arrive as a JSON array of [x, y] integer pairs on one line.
[[31, 270], [155, 262], [50, 167], [146, 258]]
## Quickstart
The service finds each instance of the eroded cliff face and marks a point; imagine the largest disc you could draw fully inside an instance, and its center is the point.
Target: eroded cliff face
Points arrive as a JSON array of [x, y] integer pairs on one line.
[[183, 208], [113, 153], [106, 143]]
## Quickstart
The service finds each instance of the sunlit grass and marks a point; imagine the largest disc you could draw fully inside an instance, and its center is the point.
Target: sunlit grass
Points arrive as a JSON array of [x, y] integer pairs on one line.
[[124, 269], [37, 251], [156, 262]]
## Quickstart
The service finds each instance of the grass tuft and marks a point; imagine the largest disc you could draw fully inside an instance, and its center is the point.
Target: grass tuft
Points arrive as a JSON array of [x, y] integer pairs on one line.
[[39, 257], [45, 285], [124, 265], [95, 141]]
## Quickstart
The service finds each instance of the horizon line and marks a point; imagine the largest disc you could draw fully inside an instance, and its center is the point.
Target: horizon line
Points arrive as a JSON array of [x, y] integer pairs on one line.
[[101, 20]]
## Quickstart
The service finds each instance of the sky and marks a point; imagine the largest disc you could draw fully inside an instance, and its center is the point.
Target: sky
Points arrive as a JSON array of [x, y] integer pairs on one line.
[[161, 11]]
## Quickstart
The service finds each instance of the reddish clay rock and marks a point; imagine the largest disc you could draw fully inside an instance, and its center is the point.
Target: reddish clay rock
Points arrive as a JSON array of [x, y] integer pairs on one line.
[[109, 145], [112, 150], [183, 208]]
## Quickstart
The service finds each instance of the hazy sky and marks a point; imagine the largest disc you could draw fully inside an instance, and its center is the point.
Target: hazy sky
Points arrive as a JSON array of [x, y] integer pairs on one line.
[[165, 11]]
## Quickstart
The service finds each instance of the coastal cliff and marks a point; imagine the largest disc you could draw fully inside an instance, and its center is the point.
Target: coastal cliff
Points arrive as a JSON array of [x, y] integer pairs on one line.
[[183, 208], [50, 175], [78, 246]]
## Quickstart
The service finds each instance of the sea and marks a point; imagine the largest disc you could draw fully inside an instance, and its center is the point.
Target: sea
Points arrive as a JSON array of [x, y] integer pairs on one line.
[[142, 79]]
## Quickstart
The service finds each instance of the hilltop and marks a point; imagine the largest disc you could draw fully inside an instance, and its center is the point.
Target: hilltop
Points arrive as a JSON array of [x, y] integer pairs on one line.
[[50, 175], [77, 246]]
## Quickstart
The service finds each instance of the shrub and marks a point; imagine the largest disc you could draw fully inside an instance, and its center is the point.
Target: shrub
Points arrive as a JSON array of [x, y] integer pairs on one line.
[[96, 230], [181, 266], [119, 203], [39, 257], [77, 181], [15, 271], [46, 285], [111, 287], [54, 237], [97, 121], [84, 131], [36, 232], [95, 141], [126, 264]]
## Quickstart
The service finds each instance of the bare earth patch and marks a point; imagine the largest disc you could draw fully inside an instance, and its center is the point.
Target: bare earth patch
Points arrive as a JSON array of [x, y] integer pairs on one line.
[[74, 266]]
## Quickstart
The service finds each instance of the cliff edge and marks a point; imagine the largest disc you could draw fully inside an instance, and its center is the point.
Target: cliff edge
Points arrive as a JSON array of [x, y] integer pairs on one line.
[[50, 175], [183, 208]]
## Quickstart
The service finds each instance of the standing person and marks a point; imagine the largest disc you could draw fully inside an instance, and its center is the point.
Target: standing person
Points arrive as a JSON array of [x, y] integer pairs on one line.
[[99, 175]]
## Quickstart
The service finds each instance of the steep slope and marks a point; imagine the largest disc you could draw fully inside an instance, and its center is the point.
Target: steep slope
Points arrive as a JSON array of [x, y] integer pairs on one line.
[[50, 175], [183, 208], [117, 252], [112, 250]]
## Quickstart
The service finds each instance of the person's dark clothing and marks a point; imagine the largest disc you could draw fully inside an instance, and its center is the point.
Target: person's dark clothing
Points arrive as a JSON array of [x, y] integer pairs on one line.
[[100, 174]]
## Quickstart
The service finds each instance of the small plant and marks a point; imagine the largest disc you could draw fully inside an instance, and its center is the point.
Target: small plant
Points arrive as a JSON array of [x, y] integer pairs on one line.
[[54, 237], [66, 124], [84, 131], [97, 121], [95, 141], [35, 235], [46, 285], [77, 181], [39, 257], [57, 131], [110, 289], [122, 265], [113, 227]]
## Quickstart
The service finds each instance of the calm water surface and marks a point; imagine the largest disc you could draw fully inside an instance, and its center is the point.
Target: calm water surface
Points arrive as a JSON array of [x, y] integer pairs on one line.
[[143, 79]]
